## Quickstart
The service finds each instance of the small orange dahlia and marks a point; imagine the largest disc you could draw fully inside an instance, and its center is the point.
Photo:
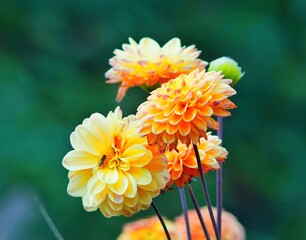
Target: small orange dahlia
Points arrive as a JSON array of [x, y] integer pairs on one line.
[[182, 108], [112, 167], [147, 229], [231, 228], [182, 164], [148, 64]]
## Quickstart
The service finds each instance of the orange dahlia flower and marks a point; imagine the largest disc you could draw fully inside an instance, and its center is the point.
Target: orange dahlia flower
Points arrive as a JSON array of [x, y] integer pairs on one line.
[[231, 228], [112, 167], [148, 64], [147, 229], [182, 108], [182, 164]]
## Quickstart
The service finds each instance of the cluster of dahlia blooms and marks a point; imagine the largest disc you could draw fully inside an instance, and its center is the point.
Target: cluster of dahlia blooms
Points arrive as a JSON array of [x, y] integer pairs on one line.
[[119, 164]]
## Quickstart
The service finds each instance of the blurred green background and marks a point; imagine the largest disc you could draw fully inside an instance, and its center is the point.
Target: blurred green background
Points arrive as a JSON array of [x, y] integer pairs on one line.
[[53, 56]]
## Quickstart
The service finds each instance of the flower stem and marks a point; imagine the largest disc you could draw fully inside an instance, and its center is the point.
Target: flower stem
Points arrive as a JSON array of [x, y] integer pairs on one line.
[[196, 206], [161, 220], [185, 211], [205, 191], [219, 181]]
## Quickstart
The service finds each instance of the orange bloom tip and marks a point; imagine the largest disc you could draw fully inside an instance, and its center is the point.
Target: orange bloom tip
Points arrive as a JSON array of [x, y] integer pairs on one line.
[[147, 63]]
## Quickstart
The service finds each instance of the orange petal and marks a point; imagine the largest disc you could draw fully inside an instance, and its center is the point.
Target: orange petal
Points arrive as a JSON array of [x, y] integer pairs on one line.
[[184, 128], [190, 114]]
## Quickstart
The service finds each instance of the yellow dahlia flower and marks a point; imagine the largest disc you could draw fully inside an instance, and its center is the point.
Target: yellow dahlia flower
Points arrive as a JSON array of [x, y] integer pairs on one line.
[[182, 164], [111, 167], [147, 229], [231, 228], [182, 108], [148, 64]]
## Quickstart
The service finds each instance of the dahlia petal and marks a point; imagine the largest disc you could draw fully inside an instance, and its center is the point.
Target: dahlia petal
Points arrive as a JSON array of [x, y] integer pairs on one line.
[[184, 128], [108, 175], [78, 182], [191, 162], [151, 186], [103, 129], [131, 202], [158, 127], [144, 197], [168, 138], [176, 174], [211, 123], [180, 108], [161, 178], [84, 139], [79, 160], [160, 117], [172, 129], [94, 185], [190, 114], [177, 164], [172, 46], [114, 206], [149, 48], [131, 190], [121, 185], [142, 176], [175, 119], [88, 203], [200, 123], [137, 155]]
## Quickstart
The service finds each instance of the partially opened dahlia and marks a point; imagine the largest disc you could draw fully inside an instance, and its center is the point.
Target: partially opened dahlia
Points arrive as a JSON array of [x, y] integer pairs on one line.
[[113, 168], [182, 164], [183, 108], [148, 64]]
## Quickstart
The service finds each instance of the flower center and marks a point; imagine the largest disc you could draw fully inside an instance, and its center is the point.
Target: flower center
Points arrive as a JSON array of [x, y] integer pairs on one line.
[[111, 160]]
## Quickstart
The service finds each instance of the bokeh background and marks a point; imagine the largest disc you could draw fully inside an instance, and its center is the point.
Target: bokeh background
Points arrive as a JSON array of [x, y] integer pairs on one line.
[[53, 56]]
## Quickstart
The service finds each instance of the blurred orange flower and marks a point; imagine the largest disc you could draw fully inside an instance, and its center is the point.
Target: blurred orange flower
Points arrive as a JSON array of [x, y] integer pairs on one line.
[[113, 168], [148, 64], [147, 229], [182, 108], [182, 164], [231, 228]]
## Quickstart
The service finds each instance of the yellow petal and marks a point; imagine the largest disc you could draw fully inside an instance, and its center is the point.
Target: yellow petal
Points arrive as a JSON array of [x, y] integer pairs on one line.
[[121, 185], [144, 197], [137, 155], [131, 190], [142, 176], [114, 206], [78, 160], [88, 204], [78, 182], [83, 138], [95, 186], [131, 202], [157, 128], [108, 175]]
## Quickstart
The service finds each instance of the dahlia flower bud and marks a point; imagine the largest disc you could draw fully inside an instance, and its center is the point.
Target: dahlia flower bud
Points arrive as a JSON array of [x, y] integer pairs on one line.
[[229, 68]]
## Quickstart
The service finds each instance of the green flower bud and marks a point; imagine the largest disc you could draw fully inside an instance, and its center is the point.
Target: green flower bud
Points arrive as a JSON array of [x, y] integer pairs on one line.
[[229, 68]]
